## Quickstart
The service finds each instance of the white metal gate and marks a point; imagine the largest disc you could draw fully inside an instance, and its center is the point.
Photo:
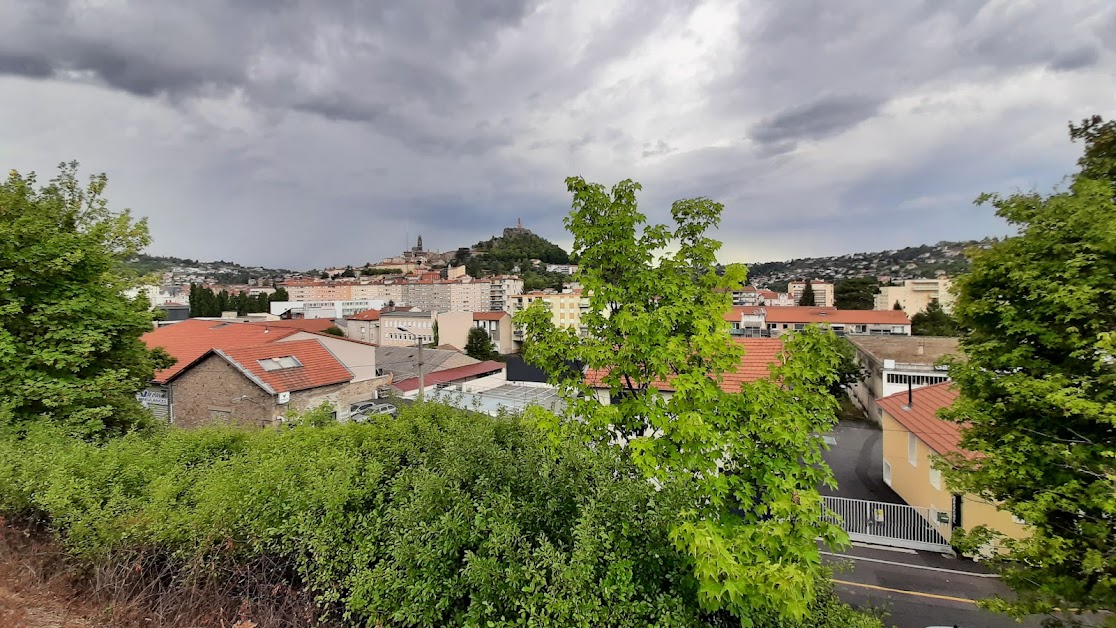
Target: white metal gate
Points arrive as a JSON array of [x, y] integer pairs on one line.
[[895, 525]]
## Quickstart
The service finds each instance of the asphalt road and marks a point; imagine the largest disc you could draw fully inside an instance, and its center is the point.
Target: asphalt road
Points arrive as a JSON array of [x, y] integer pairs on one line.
[[857, 463], [919, 589]]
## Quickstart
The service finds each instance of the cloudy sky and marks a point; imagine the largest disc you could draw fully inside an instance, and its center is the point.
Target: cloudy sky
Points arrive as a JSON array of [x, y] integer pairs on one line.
[[308, 133]]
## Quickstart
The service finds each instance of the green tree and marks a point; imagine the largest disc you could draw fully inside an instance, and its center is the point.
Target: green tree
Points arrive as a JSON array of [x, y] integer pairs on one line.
[[745, 458], [478, 345], [333, 330], [858, 293], [1038, 388], [437, 339], [934, 321], [897, 306], [807, 298], [280, 294], [70, 348]]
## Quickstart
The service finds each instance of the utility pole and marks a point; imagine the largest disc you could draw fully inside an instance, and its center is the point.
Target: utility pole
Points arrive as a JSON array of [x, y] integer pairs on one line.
[[421, 377]]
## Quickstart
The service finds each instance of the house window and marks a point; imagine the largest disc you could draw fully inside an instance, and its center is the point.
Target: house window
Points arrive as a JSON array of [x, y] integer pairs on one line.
[[800, 326], [898, 329], [887, 472], [935, 479], [912, 449], [860, 329], [916, 380]]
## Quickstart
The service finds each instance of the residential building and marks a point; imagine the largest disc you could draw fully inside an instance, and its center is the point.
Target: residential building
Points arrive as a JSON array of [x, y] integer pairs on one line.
[[565, 269], [255, 373], [416, 322], [387, 290], [318, 290], [894, 363], [760, 355], [823, 292], [362, 326], [468, 295], [772, 321], [500, 288], [913, 439], [565, 308], [747, 295], [915, 295], [324, 309], [778, 299], [498, 325]]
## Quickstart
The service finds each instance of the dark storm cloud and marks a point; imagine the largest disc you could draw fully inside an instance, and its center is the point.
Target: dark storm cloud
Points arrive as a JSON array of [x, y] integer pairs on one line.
[[822, 118], [1084, 57]]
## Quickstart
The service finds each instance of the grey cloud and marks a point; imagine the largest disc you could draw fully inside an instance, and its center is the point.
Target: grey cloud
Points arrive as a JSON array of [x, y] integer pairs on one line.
[[1084, 57], [657, 149], [825, 117], [29, 65]]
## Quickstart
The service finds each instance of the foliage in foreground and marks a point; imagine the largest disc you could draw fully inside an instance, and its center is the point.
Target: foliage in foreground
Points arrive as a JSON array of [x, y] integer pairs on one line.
[[441, 517], [749, 460], [70, 348], [1039, 386]]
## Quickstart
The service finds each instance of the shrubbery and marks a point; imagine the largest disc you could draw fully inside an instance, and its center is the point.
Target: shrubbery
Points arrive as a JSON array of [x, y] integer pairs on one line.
[[441, 517]]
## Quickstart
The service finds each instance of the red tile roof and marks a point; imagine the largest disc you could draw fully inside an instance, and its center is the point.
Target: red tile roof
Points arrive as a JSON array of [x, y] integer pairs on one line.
[[304, 324], [490, 316], [921, 417], [451, 375], [366, 315], [760, 354], [318, 366], [191, 339], [799, 314]]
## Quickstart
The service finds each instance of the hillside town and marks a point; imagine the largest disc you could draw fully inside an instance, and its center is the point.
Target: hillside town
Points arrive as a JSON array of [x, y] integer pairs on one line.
[[483, 339]]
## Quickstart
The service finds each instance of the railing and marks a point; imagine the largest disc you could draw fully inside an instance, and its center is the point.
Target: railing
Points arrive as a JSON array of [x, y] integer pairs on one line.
[[897, 525]]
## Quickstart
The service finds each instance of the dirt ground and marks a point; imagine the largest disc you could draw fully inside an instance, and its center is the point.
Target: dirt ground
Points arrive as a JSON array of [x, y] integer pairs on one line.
[[30, 605]]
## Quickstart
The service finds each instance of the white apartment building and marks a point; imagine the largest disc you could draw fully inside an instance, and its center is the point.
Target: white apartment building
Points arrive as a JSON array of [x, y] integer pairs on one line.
[[897, 363], [823, 292], [469, 296], [914, 295], [565, 269], [453, 327], [501, 287], [384, 291], [325, 309]]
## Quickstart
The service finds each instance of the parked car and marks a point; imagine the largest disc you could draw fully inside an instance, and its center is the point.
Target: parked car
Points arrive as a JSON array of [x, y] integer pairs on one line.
[[361, 411]]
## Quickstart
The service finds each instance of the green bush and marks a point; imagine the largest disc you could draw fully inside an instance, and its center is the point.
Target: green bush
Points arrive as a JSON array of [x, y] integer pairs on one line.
[[439, 517]]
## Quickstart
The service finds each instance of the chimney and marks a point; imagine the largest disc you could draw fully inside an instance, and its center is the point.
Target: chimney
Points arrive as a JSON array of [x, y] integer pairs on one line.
[[910, 395], [921, 349]]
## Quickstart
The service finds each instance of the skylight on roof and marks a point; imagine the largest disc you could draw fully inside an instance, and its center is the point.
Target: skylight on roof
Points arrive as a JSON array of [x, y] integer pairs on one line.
[[276, 364]]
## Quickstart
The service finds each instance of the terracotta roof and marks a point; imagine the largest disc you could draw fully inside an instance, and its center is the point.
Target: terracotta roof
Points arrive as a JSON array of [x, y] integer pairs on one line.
[[921, 417], [366, 315], [769, 294], [318, 367], [191, 339], [760, 354], [800, 314], [490, 316], [304, 324], [451, 375]]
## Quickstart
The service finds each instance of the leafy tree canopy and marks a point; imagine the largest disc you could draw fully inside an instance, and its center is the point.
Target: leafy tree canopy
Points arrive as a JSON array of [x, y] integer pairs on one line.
[[70, 348], [934, 321], [807, 298], [1039, 386], [856, 294], [746, 459], [478, 345]]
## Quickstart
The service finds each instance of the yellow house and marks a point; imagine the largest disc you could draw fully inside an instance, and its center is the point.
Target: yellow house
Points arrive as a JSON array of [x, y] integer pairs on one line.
[[913, 438]]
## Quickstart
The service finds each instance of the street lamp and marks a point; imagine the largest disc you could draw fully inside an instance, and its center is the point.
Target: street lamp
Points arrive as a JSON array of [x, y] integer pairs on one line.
[[418, 341]]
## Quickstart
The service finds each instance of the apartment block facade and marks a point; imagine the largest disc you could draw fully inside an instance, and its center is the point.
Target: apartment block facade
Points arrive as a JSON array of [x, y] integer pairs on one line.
[[915, 295], [823, 292]]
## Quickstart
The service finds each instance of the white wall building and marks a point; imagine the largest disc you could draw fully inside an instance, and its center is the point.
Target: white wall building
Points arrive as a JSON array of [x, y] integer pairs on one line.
[[326, 309], [914, 295]]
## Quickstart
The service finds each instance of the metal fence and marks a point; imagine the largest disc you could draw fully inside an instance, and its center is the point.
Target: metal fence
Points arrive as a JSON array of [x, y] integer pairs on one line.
[[895, 525]]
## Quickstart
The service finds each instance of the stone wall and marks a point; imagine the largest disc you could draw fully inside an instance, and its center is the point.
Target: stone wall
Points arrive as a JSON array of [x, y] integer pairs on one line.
[[216, 392]]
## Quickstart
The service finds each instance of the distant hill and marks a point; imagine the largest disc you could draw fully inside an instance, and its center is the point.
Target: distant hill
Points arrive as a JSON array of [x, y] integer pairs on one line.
[[912, 262], [511, 253], [219, 271]]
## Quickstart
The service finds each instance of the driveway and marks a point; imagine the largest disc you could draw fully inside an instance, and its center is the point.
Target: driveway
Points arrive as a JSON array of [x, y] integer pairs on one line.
[[857, 463]]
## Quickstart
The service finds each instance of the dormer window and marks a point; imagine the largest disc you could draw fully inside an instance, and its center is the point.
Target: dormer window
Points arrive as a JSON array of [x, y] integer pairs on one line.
[[276, 364]]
